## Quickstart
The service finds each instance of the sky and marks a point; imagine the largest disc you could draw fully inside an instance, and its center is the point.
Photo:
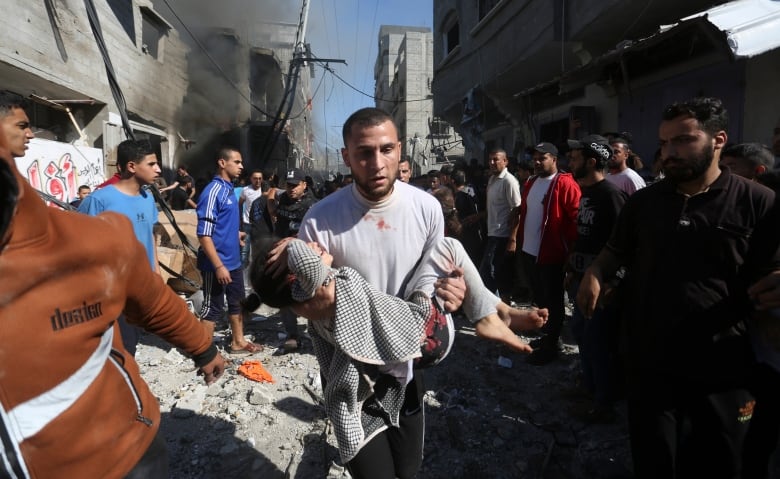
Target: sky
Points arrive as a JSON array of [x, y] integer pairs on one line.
[[336, 29], [348, 30]]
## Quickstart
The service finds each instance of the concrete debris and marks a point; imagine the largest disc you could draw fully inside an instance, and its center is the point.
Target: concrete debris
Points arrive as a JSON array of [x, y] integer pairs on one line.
[[482, 419]]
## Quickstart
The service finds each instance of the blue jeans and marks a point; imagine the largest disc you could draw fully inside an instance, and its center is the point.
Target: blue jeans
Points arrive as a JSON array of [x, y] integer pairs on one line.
[[246, 228]]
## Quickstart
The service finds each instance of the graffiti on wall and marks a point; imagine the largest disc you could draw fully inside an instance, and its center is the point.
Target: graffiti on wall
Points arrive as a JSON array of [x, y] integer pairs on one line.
[[58, 169]]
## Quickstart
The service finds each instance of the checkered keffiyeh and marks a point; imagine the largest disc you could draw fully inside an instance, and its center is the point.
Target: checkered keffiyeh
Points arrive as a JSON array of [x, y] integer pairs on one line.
[[369, 329]]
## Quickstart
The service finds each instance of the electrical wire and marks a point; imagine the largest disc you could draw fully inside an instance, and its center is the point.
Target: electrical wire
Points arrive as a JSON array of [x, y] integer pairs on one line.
[[327, 67], [306, 107]]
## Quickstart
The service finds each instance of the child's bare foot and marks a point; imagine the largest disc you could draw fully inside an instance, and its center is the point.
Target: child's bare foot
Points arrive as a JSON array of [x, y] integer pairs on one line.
[[522, 319], [495, 329]]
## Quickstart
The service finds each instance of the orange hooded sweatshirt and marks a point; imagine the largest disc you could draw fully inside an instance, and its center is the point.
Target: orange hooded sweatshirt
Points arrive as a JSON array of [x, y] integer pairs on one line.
[[73, 401]]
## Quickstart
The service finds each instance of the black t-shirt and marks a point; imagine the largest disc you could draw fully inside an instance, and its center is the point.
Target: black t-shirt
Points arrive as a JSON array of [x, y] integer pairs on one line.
[[177, 198], [290, 213], [599, 207], [465, 204]]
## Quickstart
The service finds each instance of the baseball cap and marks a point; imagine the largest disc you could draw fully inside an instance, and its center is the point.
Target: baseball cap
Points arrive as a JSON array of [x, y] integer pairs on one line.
[[596, 145], [295, 176], [545, 147]]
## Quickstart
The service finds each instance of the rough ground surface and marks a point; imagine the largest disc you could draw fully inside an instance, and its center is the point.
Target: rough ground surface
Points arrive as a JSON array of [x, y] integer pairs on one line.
[[483, 420]]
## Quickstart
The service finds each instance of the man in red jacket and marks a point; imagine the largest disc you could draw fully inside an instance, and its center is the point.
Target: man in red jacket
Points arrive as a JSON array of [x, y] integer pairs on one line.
[[73, 402], [547, 228]]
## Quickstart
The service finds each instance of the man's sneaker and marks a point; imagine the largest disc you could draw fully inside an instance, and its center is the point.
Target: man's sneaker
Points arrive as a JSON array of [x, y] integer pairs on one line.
[[543, 355]]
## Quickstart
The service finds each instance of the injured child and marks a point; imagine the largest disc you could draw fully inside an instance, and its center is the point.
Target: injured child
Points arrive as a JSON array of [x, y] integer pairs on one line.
[[373, 334], [309, 267]]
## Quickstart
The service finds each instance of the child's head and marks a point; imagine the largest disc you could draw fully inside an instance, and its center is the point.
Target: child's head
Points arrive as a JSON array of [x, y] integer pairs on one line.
[[311, 266], [273, 291]]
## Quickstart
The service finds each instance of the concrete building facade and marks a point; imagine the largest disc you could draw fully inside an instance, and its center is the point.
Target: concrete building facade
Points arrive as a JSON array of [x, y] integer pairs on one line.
[[47, 49], [403, 75], [511, 73], [183, 94]]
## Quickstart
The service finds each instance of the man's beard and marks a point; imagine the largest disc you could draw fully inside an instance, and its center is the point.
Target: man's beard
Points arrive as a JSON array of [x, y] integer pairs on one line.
[[580, 172], [679, 170], [374, 193]]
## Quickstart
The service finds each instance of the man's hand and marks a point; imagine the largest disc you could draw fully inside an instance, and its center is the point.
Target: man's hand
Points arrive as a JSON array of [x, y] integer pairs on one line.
[[588, 294], [765, 293], [223, 275], [213, 370], [321, 306], [276, 260], [451, 290], [242, 238]]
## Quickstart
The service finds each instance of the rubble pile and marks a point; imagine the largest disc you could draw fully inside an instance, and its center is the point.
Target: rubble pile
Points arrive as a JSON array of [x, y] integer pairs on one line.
[[488, 414]]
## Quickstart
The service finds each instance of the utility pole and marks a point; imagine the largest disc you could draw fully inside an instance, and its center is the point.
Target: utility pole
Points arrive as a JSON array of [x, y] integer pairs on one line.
[[288, 98]]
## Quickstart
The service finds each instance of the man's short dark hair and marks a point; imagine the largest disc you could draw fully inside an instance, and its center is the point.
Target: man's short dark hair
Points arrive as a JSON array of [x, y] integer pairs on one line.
[[132, 150], [493, 151], [754, 153], [84, 187], [225, 152], [10, 100], [707, 111], [366, 117], [459, 177]]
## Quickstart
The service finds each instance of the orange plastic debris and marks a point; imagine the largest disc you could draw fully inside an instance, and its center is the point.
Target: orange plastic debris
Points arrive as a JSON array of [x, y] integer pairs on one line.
[[254, 370]]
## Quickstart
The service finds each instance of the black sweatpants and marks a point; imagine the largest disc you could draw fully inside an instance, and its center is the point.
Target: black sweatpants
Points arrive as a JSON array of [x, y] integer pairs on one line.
[[396, 452]]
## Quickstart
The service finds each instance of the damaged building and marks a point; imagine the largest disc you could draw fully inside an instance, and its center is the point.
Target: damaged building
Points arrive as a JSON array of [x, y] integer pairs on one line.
[[181, 93]]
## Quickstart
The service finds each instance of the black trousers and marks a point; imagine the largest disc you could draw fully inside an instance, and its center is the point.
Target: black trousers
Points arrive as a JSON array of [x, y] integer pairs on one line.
[[546, 281], [679, 432], [396, 452], [762, 441]]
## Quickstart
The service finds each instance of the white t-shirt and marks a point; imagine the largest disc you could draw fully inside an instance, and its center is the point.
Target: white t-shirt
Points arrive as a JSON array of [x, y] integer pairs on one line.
[[503, 194], [383, 241], [627, 180], [249, 195], [534, 214]]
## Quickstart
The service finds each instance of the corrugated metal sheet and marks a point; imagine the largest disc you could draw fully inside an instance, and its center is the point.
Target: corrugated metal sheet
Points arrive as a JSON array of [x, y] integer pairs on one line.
[[752, 27]]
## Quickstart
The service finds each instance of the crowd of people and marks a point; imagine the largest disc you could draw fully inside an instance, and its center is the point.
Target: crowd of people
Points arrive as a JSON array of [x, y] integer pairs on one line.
[[674, 279]]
